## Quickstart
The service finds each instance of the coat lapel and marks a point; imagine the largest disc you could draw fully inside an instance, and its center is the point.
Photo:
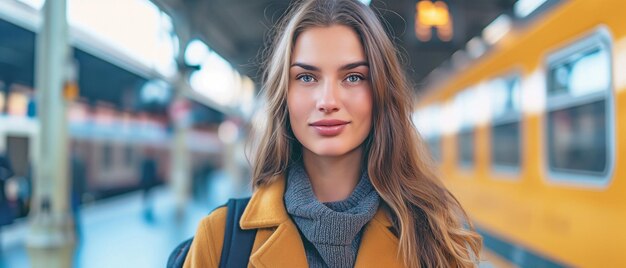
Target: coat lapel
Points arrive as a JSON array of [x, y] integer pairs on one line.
[[379, 247], [266, 212], [283, 248]]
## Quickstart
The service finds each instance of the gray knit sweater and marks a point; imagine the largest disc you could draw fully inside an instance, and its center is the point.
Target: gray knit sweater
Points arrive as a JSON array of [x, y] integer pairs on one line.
[[331, 232]]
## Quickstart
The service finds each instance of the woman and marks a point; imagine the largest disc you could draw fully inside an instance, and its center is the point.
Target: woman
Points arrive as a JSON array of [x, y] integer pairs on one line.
[[341, 176]]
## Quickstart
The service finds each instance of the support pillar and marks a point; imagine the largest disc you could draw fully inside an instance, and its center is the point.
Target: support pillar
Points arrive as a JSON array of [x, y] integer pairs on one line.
[[180, 115], [50, 241], [180, 161]]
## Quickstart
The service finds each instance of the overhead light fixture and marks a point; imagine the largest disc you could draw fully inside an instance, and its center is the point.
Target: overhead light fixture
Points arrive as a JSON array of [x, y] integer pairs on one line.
[[476, 47], [523, 8], [430, 15], [196, 52]]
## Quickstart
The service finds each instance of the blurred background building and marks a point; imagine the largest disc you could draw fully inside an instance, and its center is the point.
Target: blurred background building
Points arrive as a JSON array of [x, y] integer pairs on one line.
[[124, 122]]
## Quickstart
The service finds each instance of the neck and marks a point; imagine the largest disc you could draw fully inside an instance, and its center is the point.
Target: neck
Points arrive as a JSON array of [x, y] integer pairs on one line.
[[333, 178]]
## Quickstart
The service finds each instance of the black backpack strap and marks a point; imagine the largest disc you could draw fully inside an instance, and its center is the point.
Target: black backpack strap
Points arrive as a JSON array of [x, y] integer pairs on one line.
[[237, 242]]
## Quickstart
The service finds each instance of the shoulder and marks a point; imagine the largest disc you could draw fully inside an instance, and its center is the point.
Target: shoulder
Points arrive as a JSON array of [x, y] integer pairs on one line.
[[216, 218], [206, 247]]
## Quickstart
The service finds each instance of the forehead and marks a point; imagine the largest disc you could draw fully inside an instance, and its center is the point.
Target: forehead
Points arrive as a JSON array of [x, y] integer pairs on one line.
[[325, 45]]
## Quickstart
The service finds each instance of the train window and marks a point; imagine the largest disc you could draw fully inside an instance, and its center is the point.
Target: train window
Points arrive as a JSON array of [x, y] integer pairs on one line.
[[505, 145], [128, 155], [107, 156], [505, 94], [466, 147], [579, 115], [505, 127], [577, 138], [466, 107], [434, 145], [585, 73], [428, 122]]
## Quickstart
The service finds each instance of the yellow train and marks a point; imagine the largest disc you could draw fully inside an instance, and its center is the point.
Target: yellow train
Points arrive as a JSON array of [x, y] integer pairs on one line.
[[531, 137]]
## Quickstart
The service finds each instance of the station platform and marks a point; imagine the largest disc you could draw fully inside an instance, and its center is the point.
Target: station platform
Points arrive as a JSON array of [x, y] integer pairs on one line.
[[118, 233]]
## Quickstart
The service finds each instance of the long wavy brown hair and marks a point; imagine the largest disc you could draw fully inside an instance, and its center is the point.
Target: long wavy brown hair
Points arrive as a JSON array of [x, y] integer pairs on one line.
[[433, 228]]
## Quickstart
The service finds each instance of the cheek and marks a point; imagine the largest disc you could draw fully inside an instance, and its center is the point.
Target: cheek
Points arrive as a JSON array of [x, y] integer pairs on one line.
[[362, 105], [293, 105], [297, 106]]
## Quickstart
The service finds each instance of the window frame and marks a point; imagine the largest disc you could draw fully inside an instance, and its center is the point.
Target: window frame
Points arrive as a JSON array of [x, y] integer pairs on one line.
[[509, 171], [599, 38]]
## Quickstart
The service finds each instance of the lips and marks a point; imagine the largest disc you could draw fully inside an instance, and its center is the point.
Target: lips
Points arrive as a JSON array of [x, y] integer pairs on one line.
[[329, 127]]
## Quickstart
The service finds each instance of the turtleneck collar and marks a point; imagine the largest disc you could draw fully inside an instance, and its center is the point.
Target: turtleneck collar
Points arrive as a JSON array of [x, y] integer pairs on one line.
[[333, 228]]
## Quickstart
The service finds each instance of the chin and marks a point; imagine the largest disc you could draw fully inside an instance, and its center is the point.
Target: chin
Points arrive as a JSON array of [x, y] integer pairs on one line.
[[331, 149], [330, 152]]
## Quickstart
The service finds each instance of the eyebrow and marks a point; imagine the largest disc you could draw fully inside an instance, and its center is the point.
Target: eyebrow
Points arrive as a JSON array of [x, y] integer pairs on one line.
[[343, 68]]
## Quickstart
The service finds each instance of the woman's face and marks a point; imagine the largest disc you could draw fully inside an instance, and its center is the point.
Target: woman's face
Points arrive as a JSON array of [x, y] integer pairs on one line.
[[329, 96]]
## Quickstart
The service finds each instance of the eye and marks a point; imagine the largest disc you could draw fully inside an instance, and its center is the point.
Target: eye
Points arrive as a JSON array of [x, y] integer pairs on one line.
[[354, 78], [306, 78]]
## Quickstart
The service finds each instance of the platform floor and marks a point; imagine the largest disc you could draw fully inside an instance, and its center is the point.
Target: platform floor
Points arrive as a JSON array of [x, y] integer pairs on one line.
[[117, 232]]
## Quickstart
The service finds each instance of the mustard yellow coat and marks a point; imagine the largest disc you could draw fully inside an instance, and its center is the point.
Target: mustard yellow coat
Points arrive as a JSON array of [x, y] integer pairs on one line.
[[278, 243]]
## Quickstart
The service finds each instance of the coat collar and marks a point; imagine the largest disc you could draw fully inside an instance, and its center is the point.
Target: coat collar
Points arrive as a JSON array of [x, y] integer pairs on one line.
[[266, 209]]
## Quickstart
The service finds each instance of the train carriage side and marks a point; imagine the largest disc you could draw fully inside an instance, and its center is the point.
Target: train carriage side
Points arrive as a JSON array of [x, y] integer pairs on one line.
[[541, 171]]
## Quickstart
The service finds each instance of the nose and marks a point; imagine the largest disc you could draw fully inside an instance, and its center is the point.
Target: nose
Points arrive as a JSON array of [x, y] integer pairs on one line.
[[327, 101]]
